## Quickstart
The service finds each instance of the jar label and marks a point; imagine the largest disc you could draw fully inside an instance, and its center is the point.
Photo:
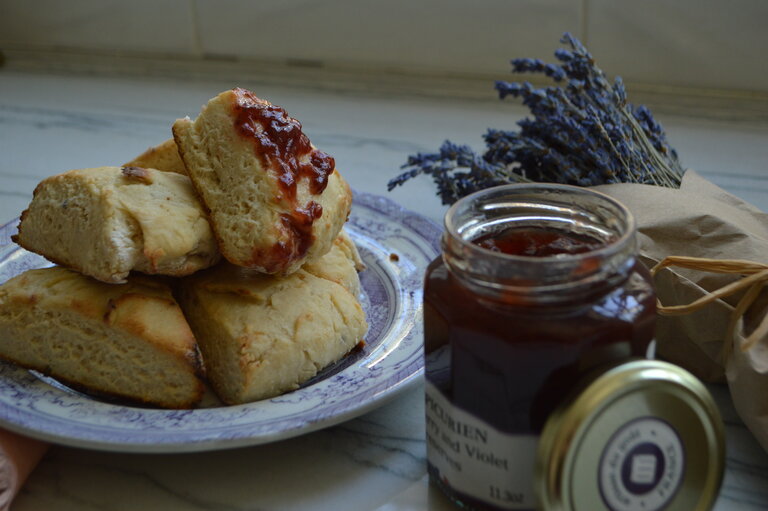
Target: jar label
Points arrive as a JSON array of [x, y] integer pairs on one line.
[[642, 466], [475, 458]]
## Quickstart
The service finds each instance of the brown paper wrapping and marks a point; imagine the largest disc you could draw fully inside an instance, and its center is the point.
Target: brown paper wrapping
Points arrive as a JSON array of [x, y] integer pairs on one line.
[[703, 220], [18, 456]]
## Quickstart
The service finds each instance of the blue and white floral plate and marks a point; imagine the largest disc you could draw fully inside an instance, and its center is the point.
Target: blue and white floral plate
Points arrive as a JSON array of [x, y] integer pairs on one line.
[[396, 246]]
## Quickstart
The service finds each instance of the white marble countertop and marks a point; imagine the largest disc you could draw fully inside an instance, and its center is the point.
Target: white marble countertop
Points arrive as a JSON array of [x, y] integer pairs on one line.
[[50, 123]]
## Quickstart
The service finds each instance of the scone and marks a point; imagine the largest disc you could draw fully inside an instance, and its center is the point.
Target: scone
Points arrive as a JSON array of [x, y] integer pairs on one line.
[[340, 264], [105, 222], [262, 335], [129, 340], [274, 201], [163, 157]]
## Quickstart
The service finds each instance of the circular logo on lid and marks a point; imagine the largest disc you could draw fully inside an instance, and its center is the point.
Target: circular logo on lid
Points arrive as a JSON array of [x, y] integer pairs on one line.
[[642, 466]]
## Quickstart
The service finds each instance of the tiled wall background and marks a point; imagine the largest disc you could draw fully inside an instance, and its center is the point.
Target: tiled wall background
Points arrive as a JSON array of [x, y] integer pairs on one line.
[[715, 44]]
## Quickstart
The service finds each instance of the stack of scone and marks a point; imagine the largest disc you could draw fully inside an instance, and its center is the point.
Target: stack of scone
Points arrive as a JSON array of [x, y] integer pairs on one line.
[[217, 256]]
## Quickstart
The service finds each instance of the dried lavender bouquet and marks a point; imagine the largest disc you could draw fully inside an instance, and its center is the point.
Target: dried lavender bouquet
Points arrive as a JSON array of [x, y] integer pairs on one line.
[[583, 132]]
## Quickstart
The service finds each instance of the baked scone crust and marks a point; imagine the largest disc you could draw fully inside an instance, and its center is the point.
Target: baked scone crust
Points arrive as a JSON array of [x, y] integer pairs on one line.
[[274, 200], [107, 221], [262, 335], [163, 157], [129, 340], [341, 264]]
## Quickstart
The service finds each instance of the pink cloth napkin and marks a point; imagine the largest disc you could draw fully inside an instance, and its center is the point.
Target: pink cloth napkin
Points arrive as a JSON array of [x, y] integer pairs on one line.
[[18, 456]]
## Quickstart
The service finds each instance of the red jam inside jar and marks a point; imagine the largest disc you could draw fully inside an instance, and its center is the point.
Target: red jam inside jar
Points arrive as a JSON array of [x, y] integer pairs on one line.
[[537, 286], [537, 242]]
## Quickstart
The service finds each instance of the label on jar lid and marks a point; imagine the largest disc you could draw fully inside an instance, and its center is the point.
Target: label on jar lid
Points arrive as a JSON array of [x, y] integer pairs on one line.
[[642, 466], [475, 458]]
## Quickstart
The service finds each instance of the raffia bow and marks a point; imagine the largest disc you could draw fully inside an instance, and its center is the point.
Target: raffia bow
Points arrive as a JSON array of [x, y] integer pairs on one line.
[[755, 276]]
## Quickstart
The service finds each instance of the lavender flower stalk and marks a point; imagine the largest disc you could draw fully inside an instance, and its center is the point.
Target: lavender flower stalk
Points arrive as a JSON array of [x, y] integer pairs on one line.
[[583, 132]]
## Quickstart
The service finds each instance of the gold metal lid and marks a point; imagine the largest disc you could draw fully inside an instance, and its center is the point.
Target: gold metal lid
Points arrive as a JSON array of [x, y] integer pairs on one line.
[[644, 435]]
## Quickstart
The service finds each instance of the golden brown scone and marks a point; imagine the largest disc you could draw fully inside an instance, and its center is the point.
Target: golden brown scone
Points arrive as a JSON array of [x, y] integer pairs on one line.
[[274, 200], [129, 340], [163, 157], [105, 222], [340, 264], [263, 335]]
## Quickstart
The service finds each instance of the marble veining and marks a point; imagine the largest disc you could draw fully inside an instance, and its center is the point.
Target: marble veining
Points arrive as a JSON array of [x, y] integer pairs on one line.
[[353, 466], [50, 123]]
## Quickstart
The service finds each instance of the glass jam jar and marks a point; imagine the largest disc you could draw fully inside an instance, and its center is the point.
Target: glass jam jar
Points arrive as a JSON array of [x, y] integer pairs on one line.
[[537, 286]]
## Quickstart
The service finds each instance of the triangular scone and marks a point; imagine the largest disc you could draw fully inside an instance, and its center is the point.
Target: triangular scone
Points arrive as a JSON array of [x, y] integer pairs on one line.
[[106, 221], [163, 157], [127, 340], [262, 335], [274, 200]]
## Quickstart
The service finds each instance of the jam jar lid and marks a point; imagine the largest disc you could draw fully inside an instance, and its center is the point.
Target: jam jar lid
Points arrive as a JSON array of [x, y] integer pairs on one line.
[[644, 435]]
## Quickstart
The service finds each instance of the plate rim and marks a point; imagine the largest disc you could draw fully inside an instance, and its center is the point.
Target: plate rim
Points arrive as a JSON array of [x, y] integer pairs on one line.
[[381, 392]]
